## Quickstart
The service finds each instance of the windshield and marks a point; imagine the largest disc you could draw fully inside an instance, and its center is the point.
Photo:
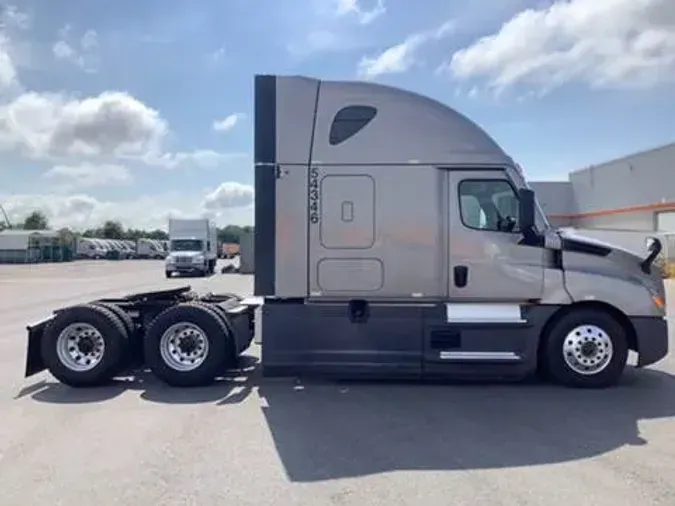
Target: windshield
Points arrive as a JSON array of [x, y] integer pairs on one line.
[[186, 245]]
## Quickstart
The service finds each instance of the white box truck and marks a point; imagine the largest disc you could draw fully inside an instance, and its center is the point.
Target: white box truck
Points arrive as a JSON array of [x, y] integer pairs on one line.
[[393, 238], [193, 247]]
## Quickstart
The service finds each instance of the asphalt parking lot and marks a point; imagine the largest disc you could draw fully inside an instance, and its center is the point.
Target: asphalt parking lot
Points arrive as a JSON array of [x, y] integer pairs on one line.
[[247, 441]]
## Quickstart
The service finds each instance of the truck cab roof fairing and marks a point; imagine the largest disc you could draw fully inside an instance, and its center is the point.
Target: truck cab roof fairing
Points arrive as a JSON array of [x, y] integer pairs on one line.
[[405, 127]]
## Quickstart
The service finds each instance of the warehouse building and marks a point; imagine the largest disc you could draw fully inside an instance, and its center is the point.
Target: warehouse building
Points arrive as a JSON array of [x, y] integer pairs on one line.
[[32, 246], [636, 192]]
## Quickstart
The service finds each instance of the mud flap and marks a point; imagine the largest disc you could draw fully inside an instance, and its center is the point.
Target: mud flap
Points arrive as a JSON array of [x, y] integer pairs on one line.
[[34, 362]]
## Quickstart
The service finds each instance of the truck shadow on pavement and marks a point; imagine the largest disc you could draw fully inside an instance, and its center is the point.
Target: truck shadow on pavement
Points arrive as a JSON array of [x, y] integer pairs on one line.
[[330, 430], [229, 389]]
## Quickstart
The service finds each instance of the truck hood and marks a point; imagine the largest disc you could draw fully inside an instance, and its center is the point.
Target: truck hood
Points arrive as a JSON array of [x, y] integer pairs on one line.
[[573, 236], [627, 261]]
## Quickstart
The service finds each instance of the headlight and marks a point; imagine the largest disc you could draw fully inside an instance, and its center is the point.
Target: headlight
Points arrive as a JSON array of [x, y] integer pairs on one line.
[[170, 260], [198, 260]]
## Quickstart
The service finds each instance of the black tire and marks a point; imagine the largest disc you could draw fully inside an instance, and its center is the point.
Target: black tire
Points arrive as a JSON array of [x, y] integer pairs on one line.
[[231, 357], [214, 331], [167, 274], [131, 353], [556, 367], [114, 337], [124, 317]]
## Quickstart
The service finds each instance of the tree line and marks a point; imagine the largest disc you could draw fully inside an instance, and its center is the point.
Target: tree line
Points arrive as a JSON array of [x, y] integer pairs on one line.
[[111, 229]]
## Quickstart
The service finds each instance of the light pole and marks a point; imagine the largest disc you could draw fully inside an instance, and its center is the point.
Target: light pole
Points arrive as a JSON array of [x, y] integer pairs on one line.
[[9, 225]]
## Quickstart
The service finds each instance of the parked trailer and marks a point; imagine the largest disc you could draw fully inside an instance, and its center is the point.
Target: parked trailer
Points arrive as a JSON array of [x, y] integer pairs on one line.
[[470, 281], [89, 248], [150, 248]]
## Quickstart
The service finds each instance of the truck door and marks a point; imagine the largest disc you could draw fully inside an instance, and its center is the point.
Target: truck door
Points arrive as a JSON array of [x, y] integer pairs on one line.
[[488, 262]]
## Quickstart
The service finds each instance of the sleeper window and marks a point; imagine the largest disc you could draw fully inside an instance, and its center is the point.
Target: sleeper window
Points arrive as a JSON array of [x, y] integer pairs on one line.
[[488, 205], [349, 121]]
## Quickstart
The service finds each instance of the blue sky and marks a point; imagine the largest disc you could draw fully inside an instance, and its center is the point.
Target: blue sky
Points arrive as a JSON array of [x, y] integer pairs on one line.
[[134, 111]]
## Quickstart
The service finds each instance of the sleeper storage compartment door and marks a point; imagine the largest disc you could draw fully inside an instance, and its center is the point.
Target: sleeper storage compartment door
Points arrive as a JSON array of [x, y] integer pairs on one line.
[[345, 217], [368, 237], [342, 339]]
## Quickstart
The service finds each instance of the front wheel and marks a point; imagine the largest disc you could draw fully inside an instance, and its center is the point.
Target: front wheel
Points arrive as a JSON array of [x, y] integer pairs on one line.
[[586, 348]]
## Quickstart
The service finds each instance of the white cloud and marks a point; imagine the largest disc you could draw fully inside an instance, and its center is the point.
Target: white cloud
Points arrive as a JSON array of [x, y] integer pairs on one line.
[[12, 17], [110, 125], [217, 55], [9, 80], [229, 203], [89, 141], [202, 158], [82, 54], [324, 40], [113, 123], [87, 175], [364, 15], [228, 123], [229, 195], [394, 60], [333, 26], [607, 44], [403, 56], [89, 40]]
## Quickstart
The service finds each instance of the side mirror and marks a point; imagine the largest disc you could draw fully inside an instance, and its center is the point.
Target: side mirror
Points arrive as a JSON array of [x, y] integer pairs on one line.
[[654, 248], [526, 210]]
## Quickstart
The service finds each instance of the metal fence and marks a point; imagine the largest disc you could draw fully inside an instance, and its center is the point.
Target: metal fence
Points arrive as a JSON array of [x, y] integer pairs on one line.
[[19, 256], [34, 255]]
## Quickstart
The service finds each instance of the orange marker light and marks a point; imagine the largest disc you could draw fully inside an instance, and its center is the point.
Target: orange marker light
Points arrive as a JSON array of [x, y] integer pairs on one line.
[[660, 303]]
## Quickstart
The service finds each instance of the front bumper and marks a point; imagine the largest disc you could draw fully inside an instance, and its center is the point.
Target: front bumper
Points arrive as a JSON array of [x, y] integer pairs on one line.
[[185, 268], [652, 338]]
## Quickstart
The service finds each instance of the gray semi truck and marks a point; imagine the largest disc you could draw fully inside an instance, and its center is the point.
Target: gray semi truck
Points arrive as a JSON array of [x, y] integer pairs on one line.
[[393, 238]]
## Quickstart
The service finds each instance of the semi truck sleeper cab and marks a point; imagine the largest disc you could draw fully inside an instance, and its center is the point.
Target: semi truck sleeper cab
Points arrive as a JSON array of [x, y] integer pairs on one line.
[[393, 238]]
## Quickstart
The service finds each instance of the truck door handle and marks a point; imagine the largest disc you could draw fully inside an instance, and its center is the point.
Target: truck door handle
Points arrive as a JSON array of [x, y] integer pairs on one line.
[[461, 273]]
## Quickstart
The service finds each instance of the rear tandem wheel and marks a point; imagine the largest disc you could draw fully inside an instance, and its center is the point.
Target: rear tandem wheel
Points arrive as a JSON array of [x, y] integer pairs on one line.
[[132, 351], [84, 345], [188, 345]]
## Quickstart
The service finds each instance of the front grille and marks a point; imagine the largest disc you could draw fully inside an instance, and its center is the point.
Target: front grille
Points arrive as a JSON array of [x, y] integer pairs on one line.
[[183, 260]]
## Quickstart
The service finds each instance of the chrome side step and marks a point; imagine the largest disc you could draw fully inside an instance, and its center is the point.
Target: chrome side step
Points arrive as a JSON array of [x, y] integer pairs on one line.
[[479, 356]]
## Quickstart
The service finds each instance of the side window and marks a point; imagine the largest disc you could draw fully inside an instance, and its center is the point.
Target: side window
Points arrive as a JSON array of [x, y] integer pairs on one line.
[[348, 121], [488, 205]]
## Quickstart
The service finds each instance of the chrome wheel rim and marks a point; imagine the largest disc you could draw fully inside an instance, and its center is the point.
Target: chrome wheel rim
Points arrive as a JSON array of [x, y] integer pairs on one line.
[[80, 347], [184, 347], [588, 350]]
